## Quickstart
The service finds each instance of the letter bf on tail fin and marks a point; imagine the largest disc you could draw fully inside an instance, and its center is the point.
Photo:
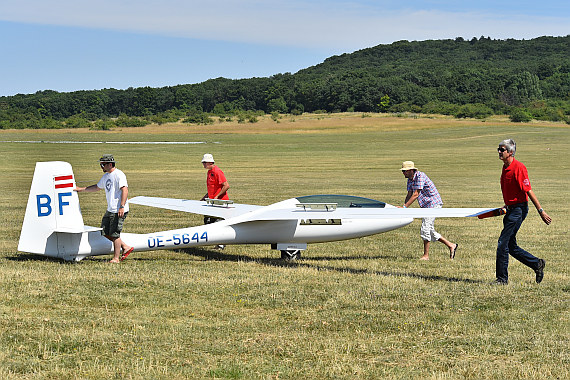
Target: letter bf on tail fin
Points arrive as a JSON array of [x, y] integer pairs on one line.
[[53, 224]]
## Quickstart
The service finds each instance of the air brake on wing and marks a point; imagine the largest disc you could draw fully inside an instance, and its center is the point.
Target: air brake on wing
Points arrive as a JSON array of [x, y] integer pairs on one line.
[[219, 202], [319, 207]]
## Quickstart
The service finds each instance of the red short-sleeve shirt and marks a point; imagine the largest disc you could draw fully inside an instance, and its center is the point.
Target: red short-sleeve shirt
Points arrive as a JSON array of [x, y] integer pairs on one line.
[[515, 183], [214, 182]]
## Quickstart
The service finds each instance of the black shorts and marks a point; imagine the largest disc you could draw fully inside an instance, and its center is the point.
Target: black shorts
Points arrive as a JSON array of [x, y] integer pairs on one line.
[[112, 224]]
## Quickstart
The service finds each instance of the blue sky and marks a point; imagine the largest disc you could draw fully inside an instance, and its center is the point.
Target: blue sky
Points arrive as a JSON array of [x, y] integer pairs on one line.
[[69, 45]]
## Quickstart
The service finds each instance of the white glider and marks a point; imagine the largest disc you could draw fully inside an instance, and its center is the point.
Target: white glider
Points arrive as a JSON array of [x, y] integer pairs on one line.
[[53, 224]]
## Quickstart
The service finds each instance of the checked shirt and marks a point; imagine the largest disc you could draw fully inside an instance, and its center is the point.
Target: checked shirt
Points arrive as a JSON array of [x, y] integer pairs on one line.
[[429, 196]]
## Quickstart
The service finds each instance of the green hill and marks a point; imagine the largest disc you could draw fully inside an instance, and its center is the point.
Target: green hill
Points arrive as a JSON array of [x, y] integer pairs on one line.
[[523, 78]]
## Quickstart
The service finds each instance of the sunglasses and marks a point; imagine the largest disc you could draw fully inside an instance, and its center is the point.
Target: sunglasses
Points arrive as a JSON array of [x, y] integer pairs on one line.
[[501, 149], [104, 163]]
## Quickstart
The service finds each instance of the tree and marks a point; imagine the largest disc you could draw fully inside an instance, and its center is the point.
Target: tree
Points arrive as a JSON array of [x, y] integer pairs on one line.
[[524, 87], [277, 105], [518, 115], [384, 103]]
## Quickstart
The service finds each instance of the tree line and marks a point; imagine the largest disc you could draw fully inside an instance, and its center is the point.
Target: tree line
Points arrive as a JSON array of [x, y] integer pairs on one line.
[[526, 79]]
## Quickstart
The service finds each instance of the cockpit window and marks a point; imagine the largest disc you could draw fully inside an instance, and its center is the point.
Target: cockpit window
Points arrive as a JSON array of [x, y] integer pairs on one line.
[[342, 201]]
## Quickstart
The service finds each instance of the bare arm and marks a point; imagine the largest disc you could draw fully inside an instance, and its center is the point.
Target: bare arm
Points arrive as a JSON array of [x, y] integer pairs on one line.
[[124, 196], [545, 218], [224, 190], [88, 189], [411, 197]]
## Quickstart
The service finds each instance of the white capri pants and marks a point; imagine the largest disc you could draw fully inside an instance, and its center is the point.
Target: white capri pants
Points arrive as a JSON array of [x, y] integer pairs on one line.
[[427, 230]]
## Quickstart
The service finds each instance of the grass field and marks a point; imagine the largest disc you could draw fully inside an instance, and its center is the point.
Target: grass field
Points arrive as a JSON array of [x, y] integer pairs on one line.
[[358, 309]]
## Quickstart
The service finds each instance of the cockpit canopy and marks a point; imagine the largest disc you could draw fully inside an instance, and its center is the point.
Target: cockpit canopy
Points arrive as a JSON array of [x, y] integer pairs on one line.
[[342, 201]]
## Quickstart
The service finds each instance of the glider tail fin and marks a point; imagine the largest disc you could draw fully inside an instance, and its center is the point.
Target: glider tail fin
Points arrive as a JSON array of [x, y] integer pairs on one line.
[[52, 210]]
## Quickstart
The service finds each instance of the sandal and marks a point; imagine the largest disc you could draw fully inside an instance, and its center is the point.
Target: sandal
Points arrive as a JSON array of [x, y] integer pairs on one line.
[[452, 255], [125, 254]]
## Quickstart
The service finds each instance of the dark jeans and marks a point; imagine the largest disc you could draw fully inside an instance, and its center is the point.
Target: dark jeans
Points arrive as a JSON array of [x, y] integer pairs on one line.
[[512, 221]]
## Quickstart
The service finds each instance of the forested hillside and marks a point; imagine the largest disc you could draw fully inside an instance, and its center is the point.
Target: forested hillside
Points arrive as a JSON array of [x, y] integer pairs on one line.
[[525, 79]]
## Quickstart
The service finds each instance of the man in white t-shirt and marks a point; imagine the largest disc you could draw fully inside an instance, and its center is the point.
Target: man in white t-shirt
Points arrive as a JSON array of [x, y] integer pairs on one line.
[[116, 188]]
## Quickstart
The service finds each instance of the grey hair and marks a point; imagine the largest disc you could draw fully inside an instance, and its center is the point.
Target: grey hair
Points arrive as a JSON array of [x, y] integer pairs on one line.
[[510, 144]]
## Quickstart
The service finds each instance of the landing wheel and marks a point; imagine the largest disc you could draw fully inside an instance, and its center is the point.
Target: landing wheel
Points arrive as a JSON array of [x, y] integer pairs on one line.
[[290, 254]]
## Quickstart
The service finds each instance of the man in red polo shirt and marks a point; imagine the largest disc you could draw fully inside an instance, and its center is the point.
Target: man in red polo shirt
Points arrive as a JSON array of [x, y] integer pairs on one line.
[[516, 189]]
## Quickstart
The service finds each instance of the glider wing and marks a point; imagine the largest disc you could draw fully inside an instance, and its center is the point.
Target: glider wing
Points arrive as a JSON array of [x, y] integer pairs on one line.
[[287, 210], [224, 211], [369, 213]]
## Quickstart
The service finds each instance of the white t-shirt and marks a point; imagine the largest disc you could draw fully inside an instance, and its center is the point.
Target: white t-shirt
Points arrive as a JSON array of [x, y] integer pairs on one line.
[[112, 183]]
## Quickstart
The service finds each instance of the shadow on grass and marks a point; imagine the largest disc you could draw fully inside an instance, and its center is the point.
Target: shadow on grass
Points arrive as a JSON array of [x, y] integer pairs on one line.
[[218, 255], [277, 262], [32, 257]]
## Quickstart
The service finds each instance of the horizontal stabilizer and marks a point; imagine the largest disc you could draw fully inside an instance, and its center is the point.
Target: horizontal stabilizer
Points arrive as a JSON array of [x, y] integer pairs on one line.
[[77, 230]]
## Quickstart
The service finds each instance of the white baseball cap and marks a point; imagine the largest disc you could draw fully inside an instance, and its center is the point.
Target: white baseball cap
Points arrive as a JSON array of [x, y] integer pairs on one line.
[[208, 158]]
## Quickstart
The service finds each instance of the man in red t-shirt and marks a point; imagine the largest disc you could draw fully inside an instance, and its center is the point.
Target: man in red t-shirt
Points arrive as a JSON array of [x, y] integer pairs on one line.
[[216, 184], [516, 189], [216, 181]]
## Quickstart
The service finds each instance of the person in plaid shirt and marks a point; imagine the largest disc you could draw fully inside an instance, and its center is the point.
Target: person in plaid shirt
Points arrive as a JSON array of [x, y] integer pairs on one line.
[[420, 187]]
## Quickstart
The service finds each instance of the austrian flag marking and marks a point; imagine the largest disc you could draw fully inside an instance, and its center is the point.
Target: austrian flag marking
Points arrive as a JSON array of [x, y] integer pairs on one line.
[[63, 181]]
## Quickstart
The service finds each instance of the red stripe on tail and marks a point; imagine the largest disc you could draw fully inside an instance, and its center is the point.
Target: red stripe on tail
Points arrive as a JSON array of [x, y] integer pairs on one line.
[[63, 185], [63, 177]]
